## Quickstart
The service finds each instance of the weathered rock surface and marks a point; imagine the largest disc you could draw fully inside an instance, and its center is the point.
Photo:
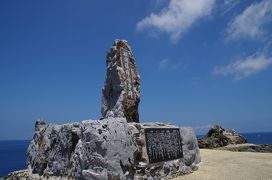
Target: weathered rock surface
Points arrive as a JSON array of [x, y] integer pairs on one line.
[[39, 124], [121, 92], [219, 137], [102, 149]]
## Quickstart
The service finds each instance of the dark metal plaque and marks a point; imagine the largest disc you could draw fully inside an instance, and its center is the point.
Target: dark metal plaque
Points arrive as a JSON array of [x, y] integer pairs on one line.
[[163, 144]]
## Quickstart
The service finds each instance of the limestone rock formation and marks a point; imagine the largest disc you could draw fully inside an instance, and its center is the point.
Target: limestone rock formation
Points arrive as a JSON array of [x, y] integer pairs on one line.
[[102, 149], [117, 146], [39, 124], [88, 150], [219, 137], [121, 92]]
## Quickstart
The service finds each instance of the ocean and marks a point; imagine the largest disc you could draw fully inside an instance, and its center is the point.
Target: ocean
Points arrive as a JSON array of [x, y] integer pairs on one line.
[[12, 156], [258, 138], [13, 153]]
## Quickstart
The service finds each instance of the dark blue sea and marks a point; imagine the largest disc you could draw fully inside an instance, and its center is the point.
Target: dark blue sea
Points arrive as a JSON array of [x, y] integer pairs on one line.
[[12, 156], [13, 153], [259, 138]]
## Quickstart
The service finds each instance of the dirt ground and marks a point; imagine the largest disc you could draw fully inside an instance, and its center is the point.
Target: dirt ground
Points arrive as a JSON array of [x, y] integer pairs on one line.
[[227, 165]]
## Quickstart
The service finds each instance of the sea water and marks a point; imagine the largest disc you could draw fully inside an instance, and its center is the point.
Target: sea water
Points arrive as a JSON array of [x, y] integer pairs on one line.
[[13, 153], [258, 138], [12, 156]]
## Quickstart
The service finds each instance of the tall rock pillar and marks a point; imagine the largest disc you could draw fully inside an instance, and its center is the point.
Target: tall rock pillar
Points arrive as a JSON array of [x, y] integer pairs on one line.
[[121, 92]]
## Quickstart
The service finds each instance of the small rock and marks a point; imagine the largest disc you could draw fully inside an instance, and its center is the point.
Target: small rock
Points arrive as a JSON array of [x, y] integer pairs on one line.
[[39, 124], [219, 137]]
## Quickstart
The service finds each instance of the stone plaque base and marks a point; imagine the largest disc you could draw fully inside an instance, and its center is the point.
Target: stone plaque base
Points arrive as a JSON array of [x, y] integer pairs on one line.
[[110, 149], [160, 143]]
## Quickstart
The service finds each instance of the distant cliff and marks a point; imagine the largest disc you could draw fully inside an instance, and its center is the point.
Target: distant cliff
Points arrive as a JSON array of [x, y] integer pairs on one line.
[[219, 138]]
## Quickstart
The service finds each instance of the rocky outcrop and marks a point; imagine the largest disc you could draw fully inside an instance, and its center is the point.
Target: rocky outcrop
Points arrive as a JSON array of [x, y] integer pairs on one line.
[[88, 150], [219, 137], [102, 149], [39, 124], [121, 92]]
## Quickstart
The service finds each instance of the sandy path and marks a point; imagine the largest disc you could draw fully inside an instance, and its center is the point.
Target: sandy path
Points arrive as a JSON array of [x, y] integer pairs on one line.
[[227, 165]]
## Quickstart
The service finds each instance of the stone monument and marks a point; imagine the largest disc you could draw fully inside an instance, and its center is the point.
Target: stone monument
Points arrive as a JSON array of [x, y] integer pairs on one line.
[[121, 92], [116, 147]]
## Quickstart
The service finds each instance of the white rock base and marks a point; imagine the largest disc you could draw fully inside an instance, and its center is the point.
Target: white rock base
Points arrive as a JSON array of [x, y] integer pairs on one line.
[[102, 149]]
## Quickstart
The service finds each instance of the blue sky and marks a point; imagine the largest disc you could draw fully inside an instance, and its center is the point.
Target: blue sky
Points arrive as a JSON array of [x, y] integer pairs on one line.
[[201, 62]]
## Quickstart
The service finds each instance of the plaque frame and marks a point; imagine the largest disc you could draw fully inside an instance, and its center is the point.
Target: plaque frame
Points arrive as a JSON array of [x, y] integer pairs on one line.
[[159, 151]]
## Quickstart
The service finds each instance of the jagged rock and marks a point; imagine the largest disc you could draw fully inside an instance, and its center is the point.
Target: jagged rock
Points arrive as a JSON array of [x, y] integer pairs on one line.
[[82, 150], [234, 137], [121, 92], [52, 148], [39, 124], [103, 149], [219, 137]]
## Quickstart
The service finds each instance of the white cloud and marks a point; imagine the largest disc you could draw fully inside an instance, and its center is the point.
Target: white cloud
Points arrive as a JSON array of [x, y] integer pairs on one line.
[[251, 22], [163, 64], [178, 17], [227, 6], [228, 2], [167, 64], [243, 68]]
